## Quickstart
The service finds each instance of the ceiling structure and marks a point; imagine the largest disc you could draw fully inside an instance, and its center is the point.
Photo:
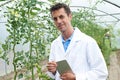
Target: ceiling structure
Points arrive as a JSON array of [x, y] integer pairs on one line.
[[106, 12]]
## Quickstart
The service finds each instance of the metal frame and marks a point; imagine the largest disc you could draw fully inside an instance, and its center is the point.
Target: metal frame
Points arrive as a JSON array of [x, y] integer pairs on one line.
[[103, 15]]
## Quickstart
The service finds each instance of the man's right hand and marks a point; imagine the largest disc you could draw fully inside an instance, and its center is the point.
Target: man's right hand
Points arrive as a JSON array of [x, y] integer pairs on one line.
[[51, 66]]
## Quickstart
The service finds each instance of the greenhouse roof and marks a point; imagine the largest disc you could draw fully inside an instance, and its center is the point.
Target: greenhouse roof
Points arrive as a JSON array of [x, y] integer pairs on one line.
[[107, 11]]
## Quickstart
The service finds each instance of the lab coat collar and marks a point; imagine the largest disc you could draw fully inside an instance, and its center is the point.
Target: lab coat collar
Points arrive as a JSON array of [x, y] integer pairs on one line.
[[77, 36]]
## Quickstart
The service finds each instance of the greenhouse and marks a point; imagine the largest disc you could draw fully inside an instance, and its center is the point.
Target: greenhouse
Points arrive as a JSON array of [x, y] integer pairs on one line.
[[27, 31]]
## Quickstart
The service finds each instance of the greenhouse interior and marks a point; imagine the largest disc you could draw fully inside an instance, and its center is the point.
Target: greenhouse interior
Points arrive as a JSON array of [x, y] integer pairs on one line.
[[27, 31]]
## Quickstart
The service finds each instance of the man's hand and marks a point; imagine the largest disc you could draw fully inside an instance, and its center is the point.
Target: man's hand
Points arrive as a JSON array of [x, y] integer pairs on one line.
[[51, 66], [68, 76]]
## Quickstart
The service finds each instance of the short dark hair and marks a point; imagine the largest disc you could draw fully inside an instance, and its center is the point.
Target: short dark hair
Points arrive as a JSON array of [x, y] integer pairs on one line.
[[58, 6]]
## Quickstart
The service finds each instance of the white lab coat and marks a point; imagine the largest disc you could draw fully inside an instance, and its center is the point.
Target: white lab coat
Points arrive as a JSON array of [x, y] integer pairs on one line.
[[83, 56]]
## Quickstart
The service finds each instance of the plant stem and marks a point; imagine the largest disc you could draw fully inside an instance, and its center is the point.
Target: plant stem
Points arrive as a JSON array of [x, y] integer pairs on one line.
[[30, 39], [14, 63]]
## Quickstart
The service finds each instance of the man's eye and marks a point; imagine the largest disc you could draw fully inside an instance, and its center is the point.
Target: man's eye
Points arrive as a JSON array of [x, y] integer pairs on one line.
[[55, 19], [61, 17]]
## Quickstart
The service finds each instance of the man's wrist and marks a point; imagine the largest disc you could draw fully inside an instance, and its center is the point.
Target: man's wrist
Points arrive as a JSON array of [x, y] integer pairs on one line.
[[54, 73]]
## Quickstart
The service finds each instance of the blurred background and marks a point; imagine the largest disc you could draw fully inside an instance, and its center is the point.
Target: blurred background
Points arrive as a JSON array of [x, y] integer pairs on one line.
[[27, 30]]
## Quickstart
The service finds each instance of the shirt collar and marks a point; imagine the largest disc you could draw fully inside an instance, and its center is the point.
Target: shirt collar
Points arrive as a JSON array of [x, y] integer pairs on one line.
[[70, 38]]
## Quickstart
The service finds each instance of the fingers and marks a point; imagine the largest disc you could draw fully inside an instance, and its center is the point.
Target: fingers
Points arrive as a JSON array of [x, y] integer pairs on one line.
[[63, 77], [51, 66], [68, 76], [53, 63]]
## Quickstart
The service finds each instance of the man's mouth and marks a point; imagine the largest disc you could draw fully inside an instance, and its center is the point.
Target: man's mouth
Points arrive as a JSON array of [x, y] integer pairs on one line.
[[60, 25]]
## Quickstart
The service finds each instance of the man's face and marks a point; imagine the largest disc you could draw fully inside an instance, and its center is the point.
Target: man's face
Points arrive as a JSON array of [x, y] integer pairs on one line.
[[61, 19]]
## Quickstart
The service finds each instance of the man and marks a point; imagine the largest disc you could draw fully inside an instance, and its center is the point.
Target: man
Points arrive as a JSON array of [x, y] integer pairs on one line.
[[79, 50]]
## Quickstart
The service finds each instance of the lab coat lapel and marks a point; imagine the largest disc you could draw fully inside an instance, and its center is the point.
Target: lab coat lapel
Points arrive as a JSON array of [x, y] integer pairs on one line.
[[76, 37], [70, 47], [61, 48]]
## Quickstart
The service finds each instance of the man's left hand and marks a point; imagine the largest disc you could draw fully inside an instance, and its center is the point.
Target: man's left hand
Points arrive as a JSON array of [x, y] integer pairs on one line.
[[68, 76]]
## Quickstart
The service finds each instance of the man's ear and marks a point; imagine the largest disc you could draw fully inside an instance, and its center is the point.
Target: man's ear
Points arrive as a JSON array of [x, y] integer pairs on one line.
[[70, 16]]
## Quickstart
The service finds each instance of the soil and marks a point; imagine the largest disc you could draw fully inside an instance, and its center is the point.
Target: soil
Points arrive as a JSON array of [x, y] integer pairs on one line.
[[114, 67], [118, 56], [10, 76]]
